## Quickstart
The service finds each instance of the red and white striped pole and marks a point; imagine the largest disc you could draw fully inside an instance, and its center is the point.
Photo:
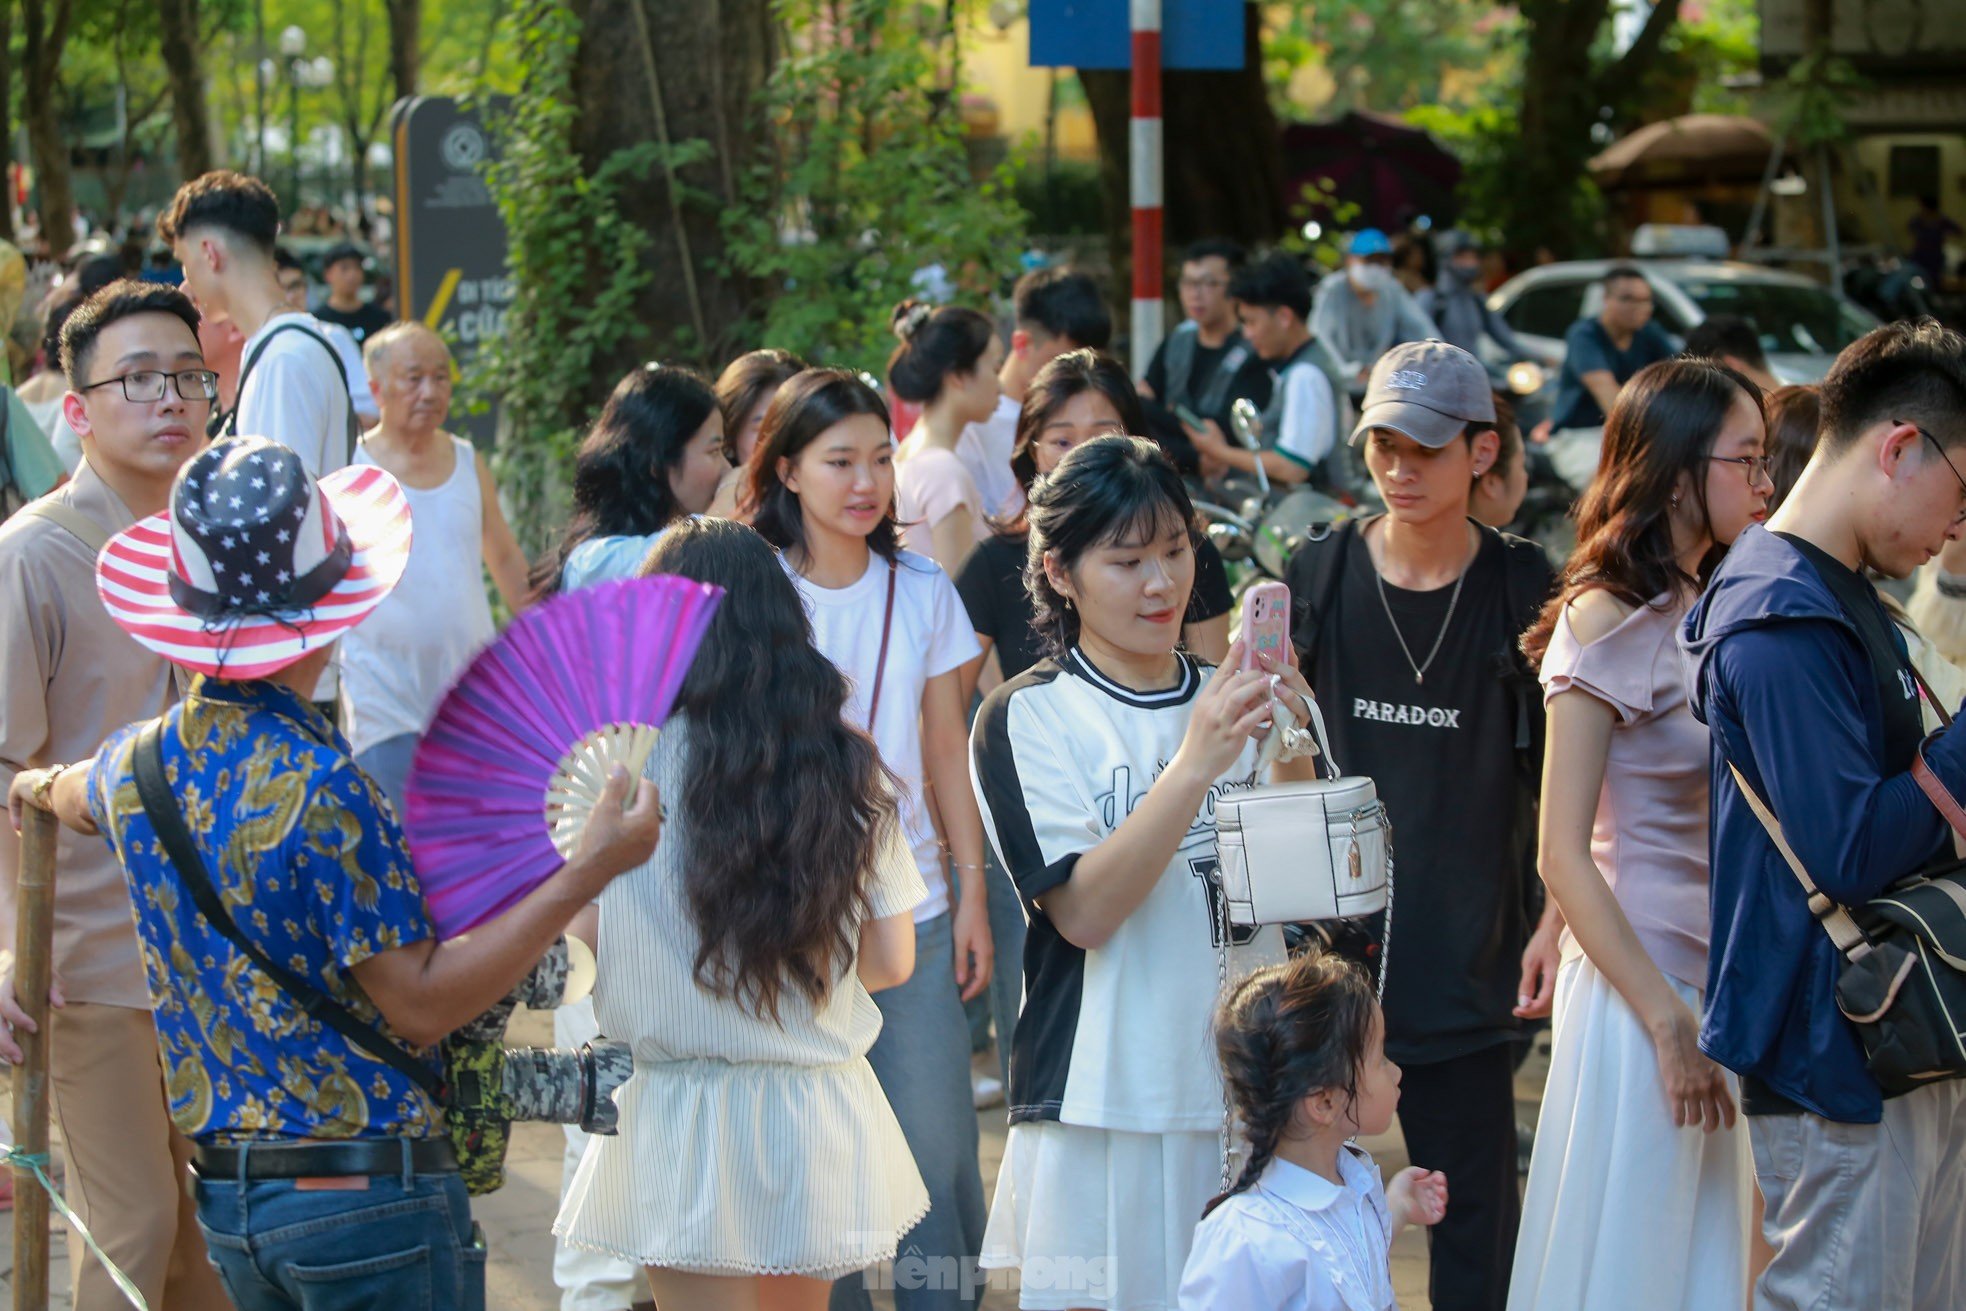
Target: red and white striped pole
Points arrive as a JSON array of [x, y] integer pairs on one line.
[[1145, 156]]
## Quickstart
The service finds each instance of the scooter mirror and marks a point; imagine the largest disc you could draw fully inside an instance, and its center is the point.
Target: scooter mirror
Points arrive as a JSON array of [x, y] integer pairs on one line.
[[1248, 424]]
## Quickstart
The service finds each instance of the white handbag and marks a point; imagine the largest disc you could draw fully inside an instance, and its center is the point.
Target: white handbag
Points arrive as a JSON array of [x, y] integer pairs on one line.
[[1297, 853]]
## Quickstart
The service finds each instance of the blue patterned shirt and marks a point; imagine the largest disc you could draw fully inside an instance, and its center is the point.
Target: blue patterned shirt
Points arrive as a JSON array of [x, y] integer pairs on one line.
[[311, 862]]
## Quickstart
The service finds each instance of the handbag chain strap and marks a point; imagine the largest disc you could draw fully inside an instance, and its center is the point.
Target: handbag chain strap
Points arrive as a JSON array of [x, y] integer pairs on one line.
[[1222, 992]]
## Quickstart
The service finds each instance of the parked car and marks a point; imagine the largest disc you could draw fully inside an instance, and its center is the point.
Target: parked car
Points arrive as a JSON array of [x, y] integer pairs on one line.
[[1802, 323]]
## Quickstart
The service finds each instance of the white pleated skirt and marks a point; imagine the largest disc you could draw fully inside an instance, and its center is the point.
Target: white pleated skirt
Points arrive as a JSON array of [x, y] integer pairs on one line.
[[747, 1169], [1624, 1210], [1099, 1218]]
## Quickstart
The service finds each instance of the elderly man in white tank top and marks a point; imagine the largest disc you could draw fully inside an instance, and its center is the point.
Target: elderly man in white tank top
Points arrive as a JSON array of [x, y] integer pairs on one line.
[[397, 664]]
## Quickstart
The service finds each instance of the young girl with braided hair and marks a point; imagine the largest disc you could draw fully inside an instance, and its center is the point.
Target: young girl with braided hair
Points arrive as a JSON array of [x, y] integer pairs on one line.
[[1308, 1226]]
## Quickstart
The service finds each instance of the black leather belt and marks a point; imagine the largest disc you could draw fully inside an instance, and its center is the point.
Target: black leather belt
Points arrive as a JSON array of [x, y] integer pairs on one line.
[[362, 1156]]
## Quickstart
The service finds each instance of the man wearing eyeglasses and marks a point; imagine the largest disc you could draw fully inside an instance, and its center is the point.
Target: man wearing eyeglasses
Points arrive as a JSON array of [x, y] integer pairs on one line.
[[1206, 364], [1600, 355], [1816, 714], [139, 396]]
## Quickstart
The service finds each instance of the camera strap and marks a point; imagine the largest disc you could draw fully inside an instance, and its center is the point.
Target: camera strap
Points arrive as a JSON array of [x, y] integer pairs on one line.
[[167, 818]]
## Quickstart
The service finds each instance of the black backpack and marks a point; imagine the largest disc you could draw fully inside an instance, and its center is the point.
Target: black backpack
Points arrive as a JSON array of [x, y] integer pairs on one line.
[[226, 424]]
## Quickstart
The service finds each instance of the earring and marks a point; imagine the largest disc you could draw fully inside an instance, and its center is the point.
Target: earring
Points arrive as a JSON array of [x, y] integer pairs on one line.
[[1674, 503]]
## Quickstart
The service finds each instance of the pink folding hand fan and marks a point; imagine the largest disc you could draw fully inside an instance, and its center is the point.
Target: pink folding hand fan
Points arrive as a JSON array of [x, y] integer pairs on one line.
[[520, 749]]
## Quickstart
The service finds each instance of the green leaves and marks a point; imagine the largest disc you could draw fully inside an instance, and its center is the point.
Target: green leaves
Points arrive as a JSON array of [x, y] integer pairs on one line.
[[872, 183]]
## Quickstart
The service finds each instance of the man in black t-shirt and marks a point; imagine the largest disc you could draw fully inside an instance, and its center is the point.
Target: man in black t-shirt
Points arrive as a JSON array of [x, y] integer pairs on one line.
[[344, 305], [1205, 366], [1406, 626]]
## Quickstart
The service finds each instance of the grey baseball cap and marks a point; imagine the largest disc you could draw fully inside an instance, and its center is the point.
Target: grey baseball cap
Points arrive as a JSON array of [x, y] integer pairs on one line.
[[1429, 390]]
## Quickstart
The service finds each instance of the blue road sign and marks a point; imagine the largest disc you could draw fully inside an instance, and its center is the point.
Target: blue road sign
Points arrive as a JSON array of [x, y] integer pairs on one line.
[[1195, 34]]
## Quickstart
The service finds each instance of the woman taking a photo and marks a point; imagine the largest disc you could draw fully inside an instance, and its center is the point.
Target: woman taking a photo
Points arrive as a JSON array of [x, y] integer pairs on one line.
[[822, 482], [653, 456], [1077, 396], [947, 363], [1098, 769], [1640, 1189], [744, 391], [757, 1158]]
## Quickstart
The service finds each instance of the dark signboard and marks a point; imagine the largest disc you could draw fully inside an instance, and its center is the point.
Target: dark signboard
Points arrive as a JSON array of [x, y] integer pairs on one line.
[[450, 241]]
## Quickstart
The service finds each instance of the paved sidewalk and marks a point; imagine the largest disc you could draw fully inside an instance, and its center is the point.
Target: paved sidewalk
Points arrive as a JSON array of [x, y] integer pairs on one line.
[[518, 1218]]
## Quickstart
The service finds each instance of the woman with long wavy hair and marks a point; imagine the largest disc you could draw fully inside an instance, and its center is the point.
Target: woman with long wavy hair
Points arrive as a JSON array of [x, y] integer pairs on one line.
[[654, 455], [1640, 1187], [758, 1157]]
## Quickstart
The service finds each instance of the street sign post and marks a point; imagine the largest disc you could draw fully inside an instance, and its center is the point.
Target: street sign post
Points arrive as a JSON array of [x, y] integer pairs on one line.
[[1143, 36], [450, 241]]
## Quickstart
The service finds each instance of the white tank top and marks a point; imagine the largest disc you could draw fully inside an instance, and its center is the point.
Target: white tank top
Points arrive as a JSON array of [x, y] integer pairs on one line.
[[397, 664]]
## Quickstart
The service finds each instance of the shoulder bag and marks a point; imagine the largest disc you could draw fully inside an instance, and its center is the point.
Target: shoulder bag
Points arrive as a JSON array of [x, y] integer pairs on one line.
[[1298, 853], [1903, 982], [167, 818], [226, 423]]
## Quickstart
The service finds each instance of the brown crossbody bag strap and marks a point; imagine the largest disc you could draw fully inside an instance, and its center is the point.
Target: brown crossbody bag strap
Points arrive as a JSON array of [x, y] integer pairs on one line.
[[880, 661]]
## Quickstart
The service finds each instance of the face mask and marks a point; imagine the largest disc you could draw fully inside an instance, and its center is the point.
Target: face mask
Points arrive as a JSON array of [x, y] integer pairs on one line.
[[1465, 274], [1370, 277]]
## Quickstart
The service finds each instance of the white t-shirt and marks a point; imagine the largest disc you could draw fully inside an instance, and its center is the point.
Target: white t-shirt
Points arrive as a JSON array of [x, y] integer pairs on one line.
[[294, 393], [1117, 1036], [1310, 414], [358, 373], [1295, 1241], [984, 448], [930, 636]]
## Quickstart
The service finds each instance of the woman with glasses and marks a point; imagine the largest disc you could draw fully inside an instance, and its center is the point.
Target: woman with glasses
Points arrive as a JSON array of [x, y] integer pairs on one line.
[[1640, 1188], [1078, 396]]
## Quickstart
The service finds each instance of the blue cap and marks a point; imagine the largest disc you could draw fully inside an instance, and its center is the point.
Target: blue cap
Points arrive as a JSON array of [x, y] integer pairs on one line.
[[1369, 241]]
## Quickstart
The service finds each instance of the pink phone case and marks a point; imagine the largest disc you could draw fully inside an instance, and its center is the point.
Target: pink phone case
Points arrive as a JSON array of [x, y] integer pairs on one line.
[[1265, 623]]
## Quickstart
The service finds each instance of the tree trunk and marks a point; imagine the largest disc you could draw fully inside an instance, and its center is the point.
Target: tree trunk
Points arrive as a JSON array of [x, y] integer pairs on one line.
[[1563, 96], [405, 34], [47, 23], [711, 59], [7, 121], [1218, 183], [180, 43]]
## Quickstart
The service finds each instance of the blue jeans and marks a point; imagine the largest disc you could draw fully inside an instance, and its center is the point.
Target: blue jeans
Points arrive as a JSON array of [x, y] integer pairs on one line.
[[922, 1061], [404, 1243], [1000, 1001], [388, 763]]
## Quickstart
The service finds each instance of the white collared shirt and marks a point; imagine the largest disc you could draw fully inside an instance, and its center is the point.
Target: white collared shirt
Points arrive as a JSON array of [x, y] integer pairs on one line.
[[1296, 1242]]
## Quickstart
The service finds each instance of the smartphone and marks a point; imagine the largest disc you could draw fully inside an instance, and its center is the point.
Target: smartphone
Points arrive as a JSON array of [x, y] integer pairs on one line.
[[1188, 416], [1265, 623]]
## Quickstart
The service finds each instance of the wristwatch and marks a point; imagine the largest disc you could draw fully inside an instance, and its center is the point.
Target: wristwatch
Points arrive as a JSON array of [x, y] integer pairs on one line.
[[45, 784]]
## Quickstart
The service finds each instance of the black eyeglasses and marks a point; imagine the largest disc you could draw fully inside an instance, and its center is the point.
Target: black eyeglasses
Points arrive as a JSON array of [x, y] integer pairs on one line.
[[1757, 466], [1959, 518], [147, 385]]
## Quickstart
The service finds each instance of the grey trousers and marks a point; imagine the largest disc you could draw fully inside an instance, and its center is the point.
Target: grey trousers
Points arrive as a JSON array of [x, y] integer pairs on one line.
[[1869, 1216], [922, 1061]]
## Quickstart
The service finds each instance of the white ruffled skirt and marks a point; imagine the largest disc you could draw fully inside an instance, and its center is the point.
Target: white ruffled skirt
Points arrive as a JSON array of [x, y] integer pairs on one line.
[[1099, 1218], [754, 1169], [1624, 1210]]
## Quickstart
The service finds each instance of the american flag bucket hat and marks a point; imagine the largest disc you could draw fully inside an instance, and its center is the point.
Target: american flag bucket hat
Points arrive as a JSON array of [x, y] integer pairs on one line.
[[257, 562]]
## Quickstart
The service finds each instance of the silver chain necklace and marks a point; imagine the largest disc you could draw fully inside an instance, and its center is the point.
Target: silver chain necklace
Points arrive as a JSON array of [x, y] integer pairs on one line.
[[1420, 670]]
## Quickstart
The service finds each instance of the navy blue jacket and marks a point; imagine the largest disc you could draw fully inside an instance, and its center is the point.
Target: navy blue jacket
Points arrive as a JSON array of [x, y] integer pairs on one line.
[[1780, 677]]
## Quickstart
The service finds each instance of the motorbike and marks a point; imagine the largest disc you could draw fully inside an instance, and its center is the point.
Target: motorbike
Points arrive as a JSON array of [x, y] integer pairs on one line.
[[1259, 533]]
